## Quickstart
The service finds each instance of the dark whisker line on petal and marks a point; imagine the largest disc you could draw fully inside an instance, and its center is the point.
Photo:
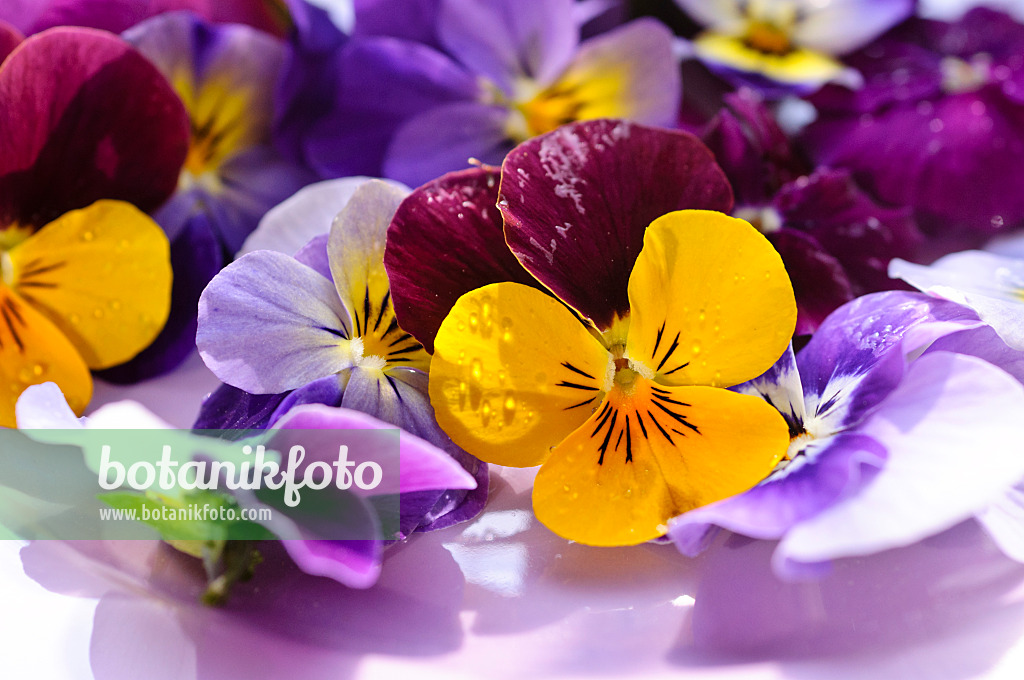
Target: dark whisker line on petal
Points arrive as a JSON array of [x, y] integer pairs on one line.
[[607, 414], [629, 442], [576, 370], [607, 437], [582, 403], [9, 303], [671, 349], [391, 381], [577, 386], [658, 425], [36, 284], [657, 341], [30, 271], [398, 359], [366, 309], [678, 368], [411, 348], [383, 308], [400, 340], [619, 439], [669, 400], [333, 331], [640, 420], [392, 327], [10, 327], [679, 418]]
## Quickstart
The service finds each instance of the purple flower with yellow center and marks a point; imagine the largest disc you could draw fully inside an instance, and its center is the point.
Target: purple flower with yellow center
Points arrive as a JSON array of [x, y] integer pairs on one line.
[[85, 275], [783, 46], [502, 72], [835, 240], [611, 379], [327, 335], [940, 113], [226, 76], [903, 410]]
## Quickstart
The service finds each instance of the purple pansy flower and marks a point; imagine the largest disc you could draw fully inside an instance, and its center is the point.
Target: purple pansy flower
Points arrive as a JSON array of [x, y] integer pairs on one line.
[[937, 124], [225, 75], [835, 240], [329, 336], [901, 428], [499, 73], [422, 468]]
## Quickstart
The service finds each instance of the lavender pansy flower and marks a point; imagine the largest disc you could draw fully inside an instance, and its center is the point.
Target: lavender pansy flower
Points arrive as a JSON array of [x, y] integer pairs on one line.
[[835, 239], [500, 72], [225, 75], [783, 46], [329, 336], [900, 428], [937, 124], [355, 563], [990, 284]]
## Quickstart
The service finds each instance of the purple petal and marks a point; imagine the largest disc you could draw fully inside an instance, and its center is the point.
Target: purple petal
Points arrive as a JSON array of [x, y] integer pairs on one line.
[[10, 37], [354, 137], [752, 149], [861, 234], [423, 466], [446, 240], [781, 387], [230, 408], [294, 311], [819, 281], [72, 137], [195, 258], [355, 564], [865, 338], [828, 471], [839, 27], [523, 38], [447, 138], [413, 20], [327, 391], [576, 203]]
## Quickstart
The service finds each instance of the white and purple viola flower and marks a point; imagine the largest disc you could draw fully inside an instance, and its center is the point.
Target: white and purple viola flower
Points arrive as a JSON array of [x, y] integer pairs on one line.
[[470, 80], [990, 283], [226, 76], [941, 109], [320, 328], [781, 47], [904, 412]]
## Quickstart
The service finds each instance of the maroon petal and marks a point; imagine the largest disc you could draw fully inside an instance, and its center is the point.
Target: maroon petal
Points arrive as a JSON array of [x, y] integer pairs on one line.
[[445, 240], [85, 116], [577, 201], [10, 37], [850, 225], [819, 281]]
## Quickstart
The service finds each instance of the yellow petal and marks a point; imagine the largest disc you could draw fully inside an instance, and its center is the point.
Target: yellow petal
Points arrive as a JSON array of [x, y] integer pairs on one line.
[[102, 275], [513, 373], [33, 351], [710, 301], [652, 453], [795, 66], [355, 249]]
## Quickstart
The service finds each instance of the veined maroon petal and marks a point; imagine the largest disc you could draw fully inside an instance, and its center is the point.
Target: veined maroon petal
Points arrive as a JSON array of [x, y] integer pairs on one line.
[[10, 37], [577, 201], [819, 281], [84, 116], [445, 240]]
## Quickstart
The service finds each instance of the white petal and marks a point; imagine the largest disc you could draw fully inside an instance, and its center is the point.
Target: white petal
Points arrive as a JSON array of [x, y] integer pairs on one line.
[[1004, 522], [43, 407], [310, 212]]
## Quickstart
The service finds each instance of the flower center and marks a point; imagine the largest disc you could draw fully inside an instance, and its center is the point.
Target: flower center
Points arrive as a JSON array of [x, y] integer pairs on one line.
[[769, 26], [959, 75], [766, 220]]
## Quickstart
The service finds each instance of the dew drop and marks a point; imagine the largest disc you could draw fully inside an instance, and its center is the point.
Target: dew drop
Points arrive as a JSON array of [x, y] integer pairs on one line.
[[696, 349], [115, 305], [566, 488], [74, 319], [88, 236], [39, 369], [485, 413], [474, 321], [477, 370], [98, 313], [702, 316], [509, 411]]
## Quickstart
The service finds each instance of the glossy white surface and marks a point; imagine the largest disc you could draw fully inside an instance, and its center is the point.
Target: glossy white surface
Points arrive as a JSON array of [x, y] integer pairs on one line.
[[505, 596]]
